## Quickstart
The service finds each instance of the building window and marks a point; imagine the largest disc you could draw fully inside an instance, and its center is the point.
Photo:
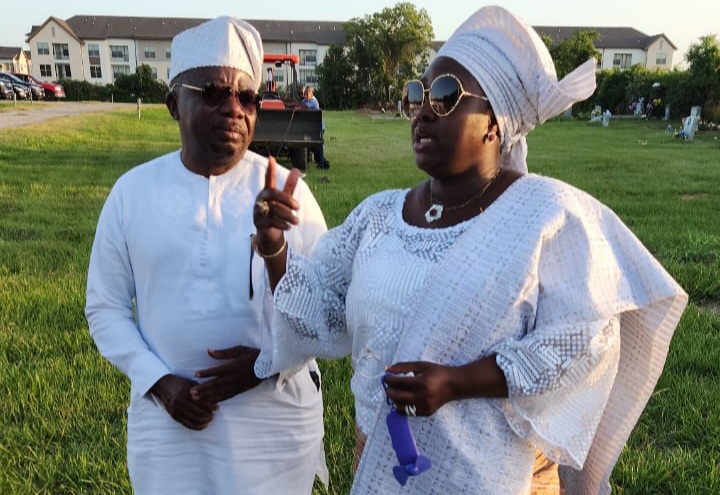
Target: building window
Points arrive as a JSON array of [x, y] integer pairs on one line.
[[45, 70], [622, 60], [63, 71], [307, 76], [308, 57], [167, 74], [94, 54], [43, 48], [279, 76], [95, 72], [154, 73], [120, 70], [167, 53], [61, 51], [149, 51], [120, 52], [661, 58]]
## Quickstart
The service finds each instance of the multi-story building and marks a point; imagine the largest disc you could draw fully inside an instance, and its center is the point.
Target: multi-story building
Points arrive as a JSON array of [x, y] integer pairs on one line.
[[621, 47], [101, 48]]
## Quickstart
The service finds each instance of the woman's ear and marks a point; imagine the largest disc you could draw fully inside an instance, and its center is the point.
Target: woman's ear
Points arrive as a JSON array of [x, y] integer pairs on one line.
[[171, 104]]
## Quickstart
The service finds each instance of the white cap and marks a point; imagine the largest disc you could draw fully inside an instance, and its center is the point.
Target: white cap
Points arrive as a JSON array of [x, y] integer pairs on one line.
[[222, 42]]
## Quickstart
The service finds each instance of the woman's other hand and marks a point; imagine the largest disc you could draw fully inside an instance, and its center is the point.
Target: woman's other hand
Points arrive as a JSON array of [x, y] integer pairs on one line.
[[434, 385]]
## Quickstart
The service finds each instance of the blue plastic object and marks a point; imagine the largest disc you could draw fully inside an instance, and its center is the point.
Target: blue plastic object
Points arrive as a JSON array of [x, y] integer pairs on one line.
[[410, 461]]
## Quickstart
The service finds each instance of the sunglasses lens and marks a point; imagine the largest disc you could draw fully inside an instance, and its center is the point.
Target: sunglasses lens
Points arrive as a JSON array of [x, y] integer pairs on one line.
[[444, 94], [248, 99], [214, 94], [412, 98]]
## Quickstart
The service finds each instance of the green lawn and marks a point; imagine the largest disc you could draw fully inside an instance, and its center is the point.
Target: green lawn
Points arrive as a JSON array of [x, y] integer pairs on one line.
[[62, 407]]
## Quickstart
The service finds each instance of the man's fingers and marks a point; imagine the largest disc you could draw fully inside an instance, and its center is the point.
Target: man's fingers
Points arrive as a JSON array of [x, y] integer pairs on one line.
[[270, 174], [291, 181]]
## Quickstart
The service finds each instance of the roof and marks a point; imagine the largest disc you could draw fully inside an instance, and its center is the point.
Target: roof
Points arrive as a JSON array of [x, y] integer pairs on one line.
[[90, 27], [9, 52], [610, 37]]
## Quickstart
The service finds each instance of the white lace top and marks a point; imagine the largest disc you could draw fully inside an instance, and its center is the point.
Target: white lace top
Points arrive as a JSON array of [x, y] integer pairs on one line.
[[540, 279]]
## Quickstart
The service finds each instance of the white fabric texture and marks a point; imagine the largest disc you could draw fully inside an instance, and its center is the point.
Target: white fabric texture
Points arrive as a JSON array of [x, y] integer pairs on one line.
[[177, 245], [221, 42], [514, 68], [547, 278]]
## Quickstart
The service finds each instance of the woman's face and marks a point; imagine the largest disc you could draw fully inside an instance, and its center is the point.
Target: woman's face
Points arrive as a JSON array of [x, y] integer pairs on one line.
[[448, 146]]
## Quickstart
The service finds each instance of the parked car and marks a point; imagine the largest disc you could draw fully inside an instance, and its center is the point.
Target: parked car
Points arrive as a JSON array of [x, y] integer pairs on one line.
[[53, 91], [22, 90], [36, 91], [6, 91]]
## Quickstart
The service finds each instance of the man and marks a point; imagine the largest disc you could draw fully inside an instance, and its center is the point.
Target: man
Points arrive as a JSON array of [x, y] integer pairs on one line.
[[312, 103], [175, 294]]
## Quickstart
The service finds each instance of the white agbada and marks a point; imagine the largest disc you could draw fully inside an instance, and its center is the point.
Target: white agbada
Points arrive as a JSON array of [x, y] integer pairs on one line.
[[578, 312], [178, 245]]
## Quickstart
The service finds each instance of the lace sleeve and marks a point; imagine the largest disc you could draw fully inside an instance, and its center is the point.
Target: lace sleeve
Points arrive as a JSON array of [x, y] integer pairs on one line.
[[308, 318], [561, 373]]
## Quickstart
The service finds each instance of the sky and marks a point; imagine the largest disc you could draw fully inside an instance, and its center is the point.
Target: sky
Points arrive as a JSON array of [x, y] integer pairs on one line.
[[682, 22]]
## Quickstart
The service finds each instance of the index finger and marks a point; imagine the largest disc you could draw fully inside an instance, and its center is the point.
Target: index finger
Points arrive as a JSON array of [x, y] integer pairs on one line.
[[291, 181], [270, 174]]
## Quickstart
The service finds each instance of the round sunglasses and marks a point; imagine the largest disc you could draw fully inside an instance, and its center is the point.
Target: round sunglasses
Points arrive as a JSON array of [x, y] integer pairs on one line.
[[444, 94], [215, 94]]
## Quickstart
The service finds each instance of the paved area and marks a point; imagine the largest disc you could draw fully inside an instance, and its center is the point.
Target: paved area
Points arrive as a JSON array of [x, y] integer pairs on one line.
[[25, 113]]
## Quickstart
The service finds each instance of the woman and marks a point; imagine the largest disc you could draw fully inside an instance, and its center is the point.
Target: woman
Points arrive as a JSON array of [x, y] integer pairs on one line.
[[532, 320]]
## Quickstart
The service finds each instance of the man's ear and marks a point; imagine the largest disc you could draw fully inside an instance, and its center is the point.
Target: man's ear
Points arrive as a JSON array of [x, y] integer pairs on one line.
[[171, 104]]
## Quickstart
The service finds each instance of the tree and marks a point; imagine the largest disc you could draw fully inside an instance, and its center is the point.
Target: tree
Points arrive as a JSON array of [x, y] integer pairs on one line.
[[383, 49], [573, 51], [337, 79], [703, 60]]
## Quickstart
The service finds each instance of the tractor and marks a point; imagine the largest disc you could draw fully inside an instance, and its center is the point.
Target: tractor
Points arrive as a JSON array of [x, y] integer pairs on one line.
[[285, 127]]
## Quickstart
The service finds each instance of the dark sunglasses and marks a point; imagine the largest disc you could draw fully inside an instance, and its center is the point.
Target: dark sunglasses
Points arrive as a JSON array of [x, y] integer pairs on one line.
[[214, 94], [444, 94]]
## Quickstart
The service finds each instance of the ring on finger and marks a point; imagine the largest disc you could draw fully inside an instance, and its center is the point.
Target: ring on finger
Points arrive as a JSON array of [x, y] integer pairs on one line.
[[264, 207], [410, 410]]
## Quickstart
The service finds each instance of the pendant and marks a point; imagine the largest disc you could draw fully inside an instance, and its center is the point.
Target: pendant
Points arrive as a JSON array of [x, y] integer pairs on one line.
[[433, 213]]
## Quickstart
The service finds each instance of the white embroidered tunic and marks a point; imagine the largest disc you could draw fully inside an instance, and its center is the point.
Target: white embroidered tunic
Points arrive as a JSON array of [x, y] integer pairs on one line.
[[547, 278], [178, 245]]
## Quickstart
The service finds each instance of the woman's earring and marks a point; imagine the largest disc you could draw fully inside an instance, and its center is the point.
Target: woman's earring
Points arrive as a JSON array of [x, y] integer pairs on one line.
[[490, 137]]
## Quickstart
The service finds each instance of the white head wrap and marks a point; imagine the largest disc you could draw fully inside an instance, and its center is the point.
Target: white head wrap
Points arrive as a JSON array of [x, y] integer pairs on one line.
[[514, 68], [222, 42]]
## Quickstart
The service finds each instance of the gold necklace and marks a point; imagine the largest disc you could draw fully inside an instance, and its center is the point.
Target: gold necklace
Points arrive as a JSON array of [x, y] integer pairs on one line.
[[436, 210]]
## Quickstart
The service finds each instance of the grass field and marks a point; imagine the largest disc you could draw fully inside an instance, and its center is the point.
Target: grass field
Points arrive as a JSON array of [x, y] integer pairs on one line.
[[62, 407]]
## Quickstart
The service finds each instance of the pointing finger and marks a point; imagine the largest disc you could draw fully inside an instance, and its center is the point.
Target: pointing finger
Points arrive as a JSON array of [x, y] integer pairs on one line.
[[270, 174]]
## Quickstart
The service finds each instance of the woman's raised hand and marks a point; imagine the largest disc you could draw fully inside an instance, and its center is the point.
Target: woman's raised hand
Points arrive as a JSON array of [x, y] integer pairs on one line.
[[274, 210]]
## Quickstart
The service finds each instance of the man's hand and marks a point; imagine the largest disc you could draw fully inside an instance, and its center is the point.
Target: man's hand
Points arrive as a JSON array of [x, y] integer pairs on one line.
[[233, 377], [174, 392]]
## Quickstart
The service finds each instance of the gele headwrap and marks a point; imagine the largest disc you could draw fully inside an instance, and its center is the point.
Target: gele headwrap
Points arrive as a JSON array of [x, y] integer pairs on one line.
[[515, 70]]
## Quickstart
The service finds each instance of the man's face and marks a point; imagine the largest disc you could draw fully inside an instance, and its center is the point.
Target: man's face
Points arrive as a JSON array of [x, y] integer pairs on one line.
[[308, 93], [215, 133]]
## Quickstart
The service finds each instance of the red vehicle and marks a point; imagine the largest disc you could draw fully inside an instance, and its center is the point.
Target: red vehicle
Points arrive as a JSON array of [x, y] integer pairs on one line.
[[52, 91]]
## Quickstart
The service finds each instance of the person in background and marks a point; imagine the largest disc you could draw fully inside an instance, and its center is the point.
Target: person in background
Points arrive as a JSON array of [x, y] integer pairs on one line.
[[523, 325], [312, 103], [175, 292]]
